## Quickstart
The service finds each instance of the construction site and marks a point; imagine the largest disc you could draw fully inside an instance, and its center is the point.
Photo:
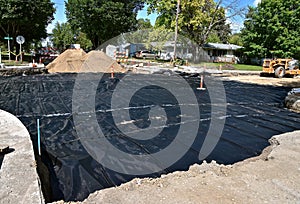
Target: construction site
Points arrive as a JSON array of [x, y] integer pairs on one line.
[[45, 158]]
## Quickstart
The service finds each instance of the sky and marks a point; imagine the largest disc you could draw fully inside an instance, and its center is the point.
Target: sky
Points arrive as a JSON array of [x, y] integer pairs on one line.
[[61, 17]]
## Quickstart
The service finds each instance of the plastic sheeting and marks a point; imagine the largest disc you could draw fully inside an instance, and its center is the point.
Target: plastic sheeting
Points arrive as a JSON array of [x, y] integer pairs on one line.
[[254, 114]]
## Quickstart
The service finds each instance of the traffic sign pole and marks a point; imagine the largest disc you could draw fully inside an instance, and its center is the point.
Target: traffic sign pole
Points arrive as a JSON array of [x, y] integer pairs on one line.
[[20, 39], [8, 45], [8, 50], [8, 39], [21, 58]]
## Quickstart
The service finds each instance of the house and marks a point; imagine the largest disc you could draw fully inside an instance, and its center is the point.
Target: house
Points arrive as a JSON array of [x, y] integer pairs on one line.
[[223, 52], [213, 52]]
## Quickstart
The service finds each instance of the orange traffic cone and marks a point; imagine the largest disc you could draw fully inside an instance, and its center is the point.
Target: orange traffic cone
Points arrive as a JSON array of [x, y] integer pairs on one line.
[[112, 72], [201, 83]]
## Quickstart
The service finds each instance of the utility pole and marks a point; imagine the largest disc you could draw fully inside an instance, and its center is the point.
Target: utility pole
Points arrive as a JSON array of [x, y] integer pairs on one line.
[[176, 30]]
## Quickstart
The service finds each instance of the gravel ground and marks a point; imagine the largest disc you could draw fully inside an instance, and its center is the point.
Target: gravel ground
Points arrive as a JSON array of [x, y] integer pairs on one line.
[[256, 79]]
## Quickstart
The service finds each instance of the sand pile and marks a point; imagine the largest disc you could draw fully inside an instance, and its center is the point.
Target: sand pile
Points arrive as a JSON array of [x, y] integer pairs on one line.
[[98, 61], [65, 62], [76, 61]]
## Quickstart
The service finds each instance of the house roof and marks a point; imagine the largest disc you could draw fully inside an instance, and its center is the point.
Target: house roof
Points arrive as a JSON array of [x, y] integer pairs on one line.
[[216, 46], [220, 46], [166, 44]]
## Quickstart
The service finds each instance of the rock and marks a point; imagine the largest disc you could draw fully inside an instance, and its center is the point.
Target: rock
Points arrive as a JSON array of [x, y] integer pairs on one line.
[[292, 101], [4, 148]]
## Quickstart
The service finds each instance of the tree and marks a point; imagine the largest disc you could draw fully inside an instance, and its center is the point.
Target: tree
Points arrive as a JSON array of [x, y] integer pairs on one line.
[[84, 42], [143, 24], [102, 20], [236, 39], [198, 19], [213, 38], [64, 36], [272, 29], [26, 18], [157, 38]]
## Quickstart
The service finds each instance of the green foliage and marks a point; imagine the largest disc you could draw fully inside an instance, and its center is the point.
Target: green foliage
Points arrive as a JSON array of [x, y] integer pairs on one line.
[[26, 18], [102, 20], [84, 42], [235, 39], [64, 36], [198, 19], [160, 36], [272, 29], [143, 24], [213, 38]]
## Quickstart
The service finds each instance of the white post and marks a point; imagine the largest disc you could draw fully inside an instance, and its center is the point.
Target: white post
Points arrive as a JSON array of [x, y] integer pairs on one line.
[[8, 49], [21, 52]]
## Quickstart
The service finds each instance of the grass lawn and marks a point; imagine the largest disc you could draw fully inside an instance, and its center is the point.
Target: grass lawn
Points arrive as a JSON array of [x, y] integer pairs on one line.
[[247, 67], [234, 66]]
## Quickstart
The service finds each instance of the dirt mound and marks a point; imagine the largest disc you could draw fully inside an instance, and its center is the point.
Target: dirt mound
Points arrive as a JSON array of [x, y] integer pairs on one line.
[[65, 62], [98, 61], [77, 61]]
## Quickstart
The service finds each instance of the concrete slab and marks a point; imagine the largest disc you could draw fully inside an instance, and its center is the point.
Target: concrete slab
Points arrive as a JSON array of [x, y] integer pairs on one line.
[[19, 181]]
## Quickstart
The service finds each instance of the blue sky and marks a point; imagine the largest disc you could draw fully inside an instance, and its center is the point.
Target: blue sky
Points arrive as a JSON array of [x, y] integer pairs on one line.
[[61, 17]]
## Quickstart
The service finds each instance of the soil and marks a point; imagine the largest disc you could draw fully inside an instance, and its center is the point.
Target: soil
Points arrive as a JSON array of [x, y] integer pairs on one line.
[[61, 63], [97, 61], [255, 79], [272, 177], [75, 61]]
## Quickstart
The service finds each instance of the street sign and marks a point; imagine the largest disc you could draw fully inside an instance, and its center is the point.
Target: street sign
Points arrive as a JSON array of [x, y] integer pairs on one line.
[[8, 46], [20, 39], [8, 38]]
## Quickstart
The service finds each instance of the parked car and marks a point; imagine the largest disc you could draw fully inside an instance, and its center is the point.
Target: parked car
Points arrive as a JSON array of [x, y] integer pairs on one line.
[[146, 54], [169, 55], [165, 56], [188, 56]]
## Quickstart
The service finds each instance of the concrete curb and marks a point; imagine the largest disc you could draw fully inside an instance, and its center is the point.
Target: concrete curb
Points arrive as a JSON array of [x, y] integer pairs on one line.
[[19, 180]]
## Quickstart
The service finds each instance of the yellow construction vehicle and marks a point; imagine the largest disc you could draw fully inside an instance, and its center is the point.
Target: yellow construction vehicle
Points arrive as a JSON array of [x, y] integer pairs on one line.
[[281, 67]]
